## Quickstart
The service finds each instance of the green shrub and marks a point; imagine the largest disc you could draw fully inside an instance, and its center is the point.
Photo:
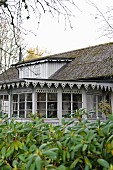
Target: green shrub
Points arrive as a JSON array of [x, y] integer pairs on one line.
[[37, 145]]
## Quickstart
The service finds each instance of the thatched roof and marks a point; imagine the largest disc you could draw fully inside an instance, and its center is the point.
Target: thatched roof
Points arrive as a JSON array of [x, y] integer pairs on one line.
[[91, 62], [9, 75], [87, 63]]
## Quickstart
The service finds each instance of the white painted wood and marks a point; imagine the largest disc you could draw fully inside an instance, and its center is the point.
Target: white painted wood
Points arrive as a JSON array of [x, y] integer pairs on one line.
[[84, 101], [10, 105], [42, 70], [34, 99], [59, 105]]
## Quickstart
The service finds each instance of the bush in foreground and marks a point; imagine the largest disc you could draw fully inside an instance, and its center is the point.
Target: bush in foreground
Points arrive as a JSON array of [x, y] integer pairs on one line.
[[37, 145]]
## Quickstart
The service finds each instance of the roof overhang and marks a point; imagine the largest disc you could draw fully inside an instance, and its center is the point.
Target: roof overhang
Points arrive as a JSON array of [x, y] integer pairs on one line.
[[34, 82]]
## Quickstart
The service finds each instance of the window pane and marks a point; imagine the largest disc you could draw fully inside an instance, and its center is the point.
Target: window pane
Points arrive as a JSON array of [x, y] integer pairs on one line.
[[15, 97], [21, 106], [66, 97], [21, 114], [41, 96], [15, 106], [52, 110], [52, 114], [41, 105], [77, 101], [4, 104], [5, 97], [66, 114], [1, 97], [29, 105], [15, 114], [66, 105], [22, 97], [29, 96], [52, 97], [28, 112]]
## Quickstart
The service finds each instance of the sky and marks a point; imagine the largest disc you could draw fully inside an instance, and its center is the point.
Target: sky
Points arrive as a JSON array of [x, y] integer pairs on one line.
[[87, 29]]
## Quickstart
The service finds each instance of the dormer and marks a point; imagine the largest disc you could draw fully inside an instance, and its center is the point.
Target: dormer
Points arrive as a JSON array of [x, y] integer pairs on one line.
[[41, 68]]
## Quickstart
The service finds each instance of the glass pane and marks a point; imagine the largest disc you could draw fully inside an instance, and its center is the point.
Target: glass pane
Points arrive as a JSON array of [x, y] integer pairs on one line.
[[41, 96], [29, 96], [52, 97], [5, 97], [75, 106], [15, 106], [66, 114], [41, 113], [77, 98], [66, 106], [52, 105], [15, 114], [66, 97], [21, 106], [52, 114], [1, 97], [21, 114], [15, 97], [29, 105], [41, 105], [28, 112], [22, 97]]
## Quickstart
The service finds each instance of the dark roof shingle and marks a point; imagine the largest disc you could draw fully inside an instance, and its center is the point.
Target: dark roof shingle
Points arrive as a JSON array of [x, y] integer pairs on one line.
[[95, 61]]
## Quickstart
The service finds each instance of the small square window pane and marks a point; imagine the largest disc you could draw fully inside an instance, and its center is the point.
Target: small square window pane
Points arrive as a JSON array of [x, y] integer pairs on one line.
[[22, 97], [29, 96], [66, 97], [21, 114], [15, 97], [41, 96], [52, 96]]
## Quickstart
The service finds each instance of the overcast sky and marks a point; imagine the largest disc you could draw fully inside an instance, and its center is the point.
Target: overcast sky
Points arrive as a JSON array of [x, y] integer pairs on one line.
[[86, 29]]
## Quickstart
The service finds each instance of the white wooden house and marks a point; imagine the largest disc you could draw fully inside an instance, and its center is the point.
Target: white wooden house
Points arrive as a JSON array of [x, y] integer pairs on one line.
[[55, 86]]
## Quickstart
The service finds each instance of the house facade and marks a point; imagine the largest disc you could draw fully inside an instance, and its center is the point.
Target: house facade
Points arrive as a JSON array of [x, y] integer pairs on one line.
[[56, 86]]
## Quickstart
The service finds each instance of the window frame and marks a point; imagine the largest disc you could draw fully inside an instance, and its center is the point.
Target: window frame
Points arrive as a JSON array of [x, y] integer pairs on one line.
[[71, 111], [47, 102], [5, 109], [18, 102]]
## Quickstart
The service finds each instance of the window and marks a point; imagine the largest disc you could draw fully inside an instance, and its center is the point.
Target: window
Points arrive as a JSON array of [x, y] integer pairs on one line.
[[47, 105], [92, 106], [22, 105], [70, 102], [4, 104]]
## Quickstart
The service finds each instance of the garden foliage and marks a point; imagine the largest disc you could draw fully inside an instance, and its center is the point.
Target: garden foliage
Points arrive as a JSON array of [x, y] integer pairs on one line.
[[36, 145]]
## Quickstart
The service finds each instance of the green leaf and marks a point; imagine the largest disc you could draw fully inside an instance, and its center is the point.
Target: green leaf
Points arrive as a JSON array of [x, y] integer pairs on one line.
[[43, 146], [103, 163], [1, 162], [59, 144], [84, 147], [87, 167], [77, 147], [22, 158], [73, 165], [10, 152], [61, 167], [29, 164], [50, 154], [87, 161], [0, 130], [32, 148], [3, 151], [38, 163], [15, 163]]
